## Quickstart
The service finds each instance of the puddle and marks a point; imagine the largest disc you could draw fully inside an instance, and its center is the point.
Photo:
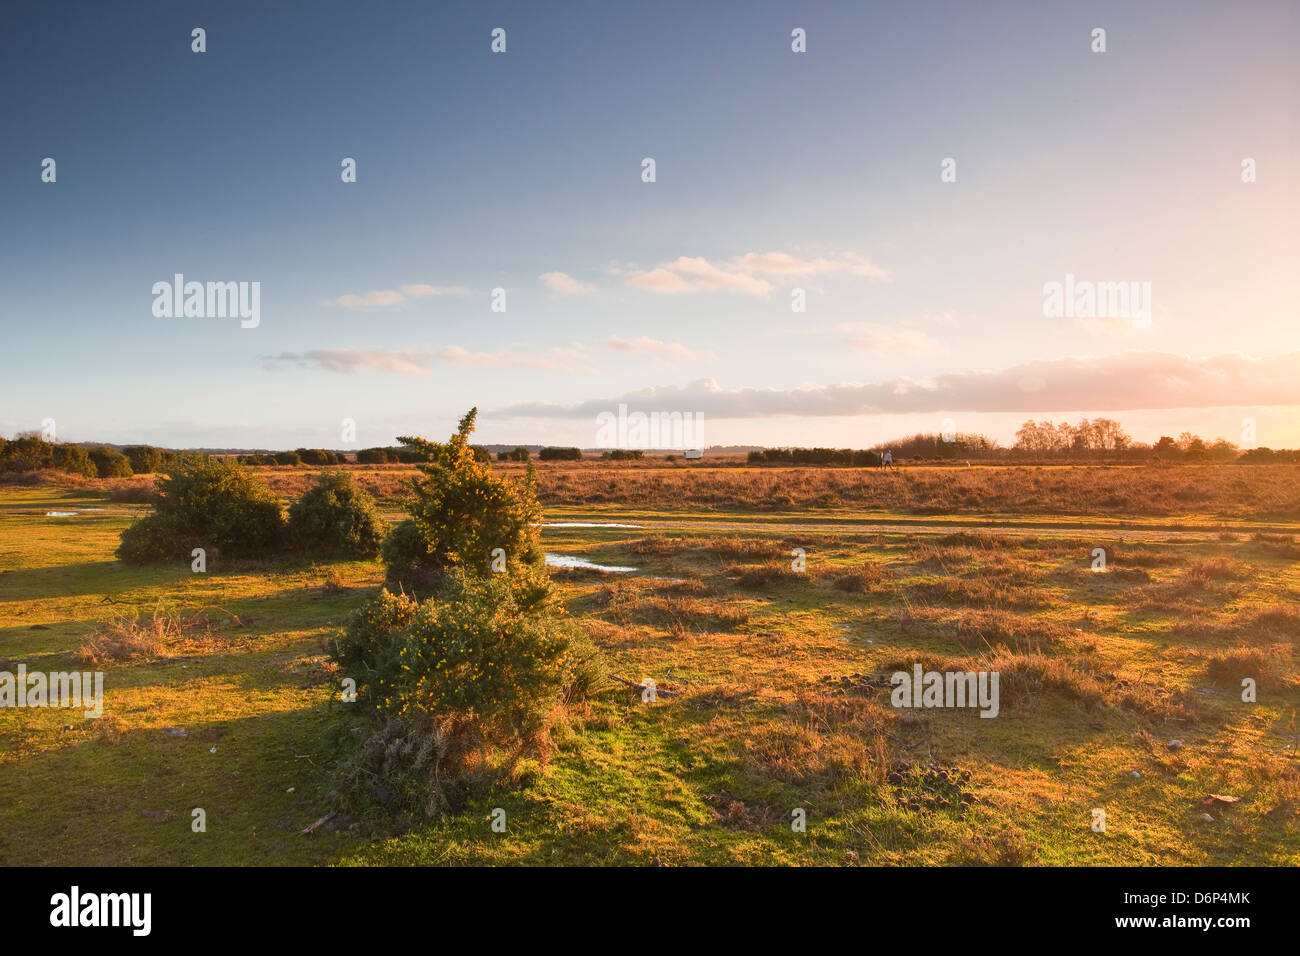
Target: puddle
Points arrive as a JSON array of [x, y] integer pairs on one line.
[[60, 514], [587, 524], [572, 561]]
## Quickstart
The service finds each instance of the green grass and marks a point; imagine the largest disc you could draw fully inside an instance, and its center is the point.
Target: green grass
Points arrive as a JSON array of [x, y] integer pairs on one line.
[[713, 775]]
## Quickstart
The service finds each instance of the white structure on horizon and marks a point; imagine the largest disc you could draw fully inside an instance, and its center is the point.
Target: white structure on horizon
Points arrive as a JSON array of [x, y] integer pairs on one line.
[[694, 453]]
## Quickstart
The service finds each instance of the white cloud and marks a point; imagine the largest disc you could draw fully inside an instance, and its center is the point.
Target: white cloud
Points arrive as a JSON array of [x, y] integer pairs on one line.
[[387, 297], [782, 263], [420, 289], [745, 274], [565, 284], [376, 297], [392, 361]]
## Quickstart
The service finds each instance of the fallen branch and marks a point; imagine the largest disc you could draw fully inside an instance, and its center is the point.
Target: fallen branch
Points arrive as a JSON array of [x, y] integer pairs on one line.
[[644, 687], [323, 820]]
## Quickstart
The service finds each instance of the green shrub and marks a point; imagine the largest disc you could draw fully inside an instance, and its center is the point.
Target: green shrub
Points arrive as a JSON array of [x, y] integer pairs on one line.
[[206, 503], [372, 456], [287, 458], [408, 559], [336, 517], [110, 463]]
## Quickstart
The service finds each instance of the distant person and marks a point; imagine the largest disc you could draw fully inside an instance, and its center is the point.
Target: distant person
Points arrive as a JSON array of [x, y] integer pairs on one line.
[[887, 461]]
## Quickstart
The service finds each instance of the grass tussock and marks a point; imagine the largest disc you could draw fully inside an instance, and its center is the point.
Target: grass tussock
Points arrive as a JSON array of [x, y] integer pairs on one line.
[[161, 632]]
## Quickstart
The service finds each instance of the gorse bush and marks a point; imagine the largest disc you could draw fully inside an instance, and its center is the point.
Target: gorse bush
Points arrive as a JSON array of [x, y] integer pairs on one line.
[[206, 503], [462, 513], [458, 689], [335, 518]]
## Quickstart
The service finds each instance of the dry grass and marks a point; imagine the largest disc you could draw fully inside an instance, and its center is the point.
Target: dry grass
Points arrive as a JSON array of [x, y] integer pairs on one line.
[[149, 635]]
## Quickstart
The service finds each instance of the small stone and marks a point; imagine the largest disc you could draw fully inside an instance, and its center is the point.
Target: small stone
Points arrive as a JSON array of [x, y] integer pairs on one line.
[[1207, 818], [213, 750], [1175, 745], [1135, 774]]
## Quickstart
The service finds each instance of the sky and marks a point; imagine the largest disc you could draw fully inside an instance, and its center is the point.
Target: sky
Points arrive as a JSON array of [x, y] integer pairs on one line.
[[774, 171]]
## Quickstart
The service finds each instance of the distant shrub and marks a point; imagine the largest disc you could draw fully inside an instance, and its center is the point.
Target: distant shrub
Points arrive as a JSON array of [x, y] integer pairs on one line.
[[317, 456], [110, 463], [372, 456], [560, 454], [287, 458], [519, 454], [75, 460], [145, 459], [206, 503], [623, 454], [481, 454], [335, 517]]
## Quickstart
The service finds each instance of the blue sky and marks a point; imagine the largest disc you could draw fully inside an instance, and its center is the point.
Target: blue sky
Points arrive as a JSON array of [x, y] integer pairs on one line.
[[522, 171]]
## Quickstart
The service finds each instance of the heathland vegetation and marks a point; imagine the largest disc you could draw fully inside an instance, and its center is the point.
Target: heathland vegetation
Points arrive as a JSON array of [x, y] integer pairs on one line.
[[376, 664]]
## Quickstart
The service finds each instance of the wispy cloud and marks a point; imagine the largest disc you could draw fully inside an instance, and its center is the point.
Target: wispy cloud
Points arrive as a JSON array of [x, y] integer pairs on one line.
[[645, 345], [418, 290], [785, 264], [419, 360], [1122, 382], [379, 298], [391, 361], [746, 274], [564, 284], [571, 358]]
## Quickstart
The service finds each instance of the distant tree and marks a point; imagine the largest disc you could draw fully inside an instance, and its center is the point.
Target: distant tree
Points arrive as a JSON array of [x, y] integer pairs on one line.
[[1166, 448], [287, 458], [28, 452]]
